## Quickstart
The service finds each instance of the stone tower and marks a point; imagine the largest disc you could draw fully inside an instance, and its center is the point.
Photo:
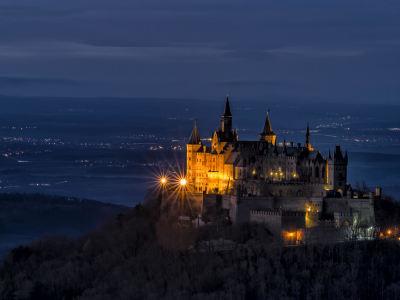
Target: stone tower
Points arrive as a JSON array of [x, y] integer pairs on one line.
[[192, 147], [268, 134], [226, 120], [337, 171]]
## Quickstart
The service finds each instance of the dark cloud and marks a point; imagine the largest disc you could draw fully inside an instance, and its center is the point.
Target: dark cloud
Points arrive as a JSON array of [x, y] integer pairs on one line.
[[339, 51], [11, 82], [251, 83]]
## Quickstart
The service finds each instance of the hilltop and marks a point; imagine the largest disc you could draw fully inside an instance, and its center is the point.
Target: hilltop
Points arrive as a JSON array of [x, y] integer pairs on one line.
[[137, 255]]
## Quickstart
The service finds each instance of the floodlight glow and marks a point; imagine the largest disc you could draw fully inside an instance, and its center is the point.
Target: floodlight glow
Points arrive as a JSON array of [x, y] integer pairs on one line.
[[163, 180], [183, 181]]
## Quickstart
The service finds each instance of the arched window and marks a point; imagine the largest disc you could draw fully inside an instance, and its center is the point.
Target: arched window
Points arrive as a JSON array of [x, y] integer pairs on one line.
[[316, 171]]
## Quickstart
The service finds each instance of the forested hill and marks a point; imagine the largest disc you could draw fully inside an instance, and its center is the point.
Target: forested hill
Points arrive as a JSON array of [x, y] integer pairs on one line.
[[26, 217], [137, 255]]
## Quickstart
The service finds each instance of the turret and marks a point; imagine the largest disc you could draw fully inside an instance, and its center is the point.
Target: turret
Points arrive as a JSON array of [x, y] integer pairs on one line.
[[307, 144], [192, 147], [226, 118], [267, 134], [337, 171]]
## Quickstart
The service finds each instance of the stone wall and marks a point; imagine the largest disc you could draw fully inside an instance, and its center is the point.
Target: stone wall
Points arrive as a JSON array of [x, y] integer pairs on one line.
[[272, 220], [211, 199], [298, 203], [312, 219], [292, 220], [364, 208], [246, 204], [344, 219], [281, 189], [324, 234]]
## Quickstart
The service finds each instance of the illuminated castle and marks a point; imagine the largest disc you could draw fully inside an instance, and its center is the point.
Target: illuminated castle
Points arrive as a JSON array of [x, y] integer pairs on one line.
[[230, 164]]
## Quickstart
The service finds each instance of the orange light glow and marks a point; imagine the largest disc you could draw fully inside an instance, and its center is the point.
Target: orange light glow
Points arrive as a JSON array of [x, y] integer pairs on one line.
[[163, 180], [183, 181], [389, 232]]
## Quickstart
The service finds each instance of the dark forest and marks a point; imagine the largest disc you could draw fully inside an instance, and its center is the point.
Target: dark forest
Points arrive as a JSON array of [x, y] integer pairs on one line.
[[138, 255]]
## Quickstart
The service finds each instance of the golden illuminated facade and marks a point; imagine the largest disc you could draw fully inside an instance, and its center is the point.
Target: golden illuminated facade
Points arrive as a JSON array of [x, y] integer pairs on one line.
[[228, 161]]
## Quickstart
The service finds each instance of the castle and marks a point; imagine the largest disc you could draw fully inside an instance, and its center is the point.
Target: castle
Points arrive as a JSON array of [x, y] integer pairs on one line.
[[299, 195], [229, 162]]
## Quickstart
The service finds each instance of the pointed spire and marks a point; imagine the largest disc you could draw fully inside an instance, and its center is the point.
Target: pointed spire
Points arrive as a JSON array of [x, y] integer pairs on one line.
[[267, 126], [195, 137], [307, 144], [330, 153], [227, 112]]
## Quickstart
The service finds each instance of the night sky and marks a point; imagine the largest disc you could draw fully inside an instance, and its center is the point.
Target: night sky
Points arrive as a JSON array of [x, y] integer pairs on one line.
[[331, 51]]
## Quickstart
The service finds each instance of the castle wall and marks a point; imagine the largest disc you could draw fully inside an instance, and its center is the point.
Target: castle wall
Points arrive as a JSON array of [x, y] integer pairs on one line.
[[272, 220], [364, 208], [290, 189], [211, 200], [298, 203], [292, 220], [332, 205], [246, 204], [312, 219], [226, 201], [324, 234], [344, 219]]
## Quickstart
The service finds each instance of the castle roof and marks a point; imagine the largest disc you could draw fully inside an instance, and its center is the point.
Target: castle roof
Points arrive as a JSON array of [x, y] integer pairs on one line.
[[227, 112], [267, 127], [232, 158], [338, 153], [195, 137]]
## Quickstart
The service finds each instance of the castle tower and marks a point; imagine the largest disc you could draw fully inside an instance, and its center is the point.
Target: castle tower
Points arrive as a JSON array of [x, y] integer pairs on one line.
[[192, 147], [337, 171], [307, 144], [268, 134], [226, 119]]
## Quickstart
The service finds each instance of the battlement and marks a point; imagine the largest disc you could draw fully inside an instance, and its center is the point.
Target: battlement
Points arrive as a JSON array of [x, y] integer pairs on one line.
[[267, 213], [327, 223], [330, 228], [297, 184], [279, 213], [313, 214], [343, 214]]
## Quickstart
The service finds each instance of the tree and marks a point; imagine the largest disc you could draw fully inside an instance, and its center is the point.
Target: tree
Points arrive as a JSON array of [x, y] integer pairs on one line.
[[361, 187]]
